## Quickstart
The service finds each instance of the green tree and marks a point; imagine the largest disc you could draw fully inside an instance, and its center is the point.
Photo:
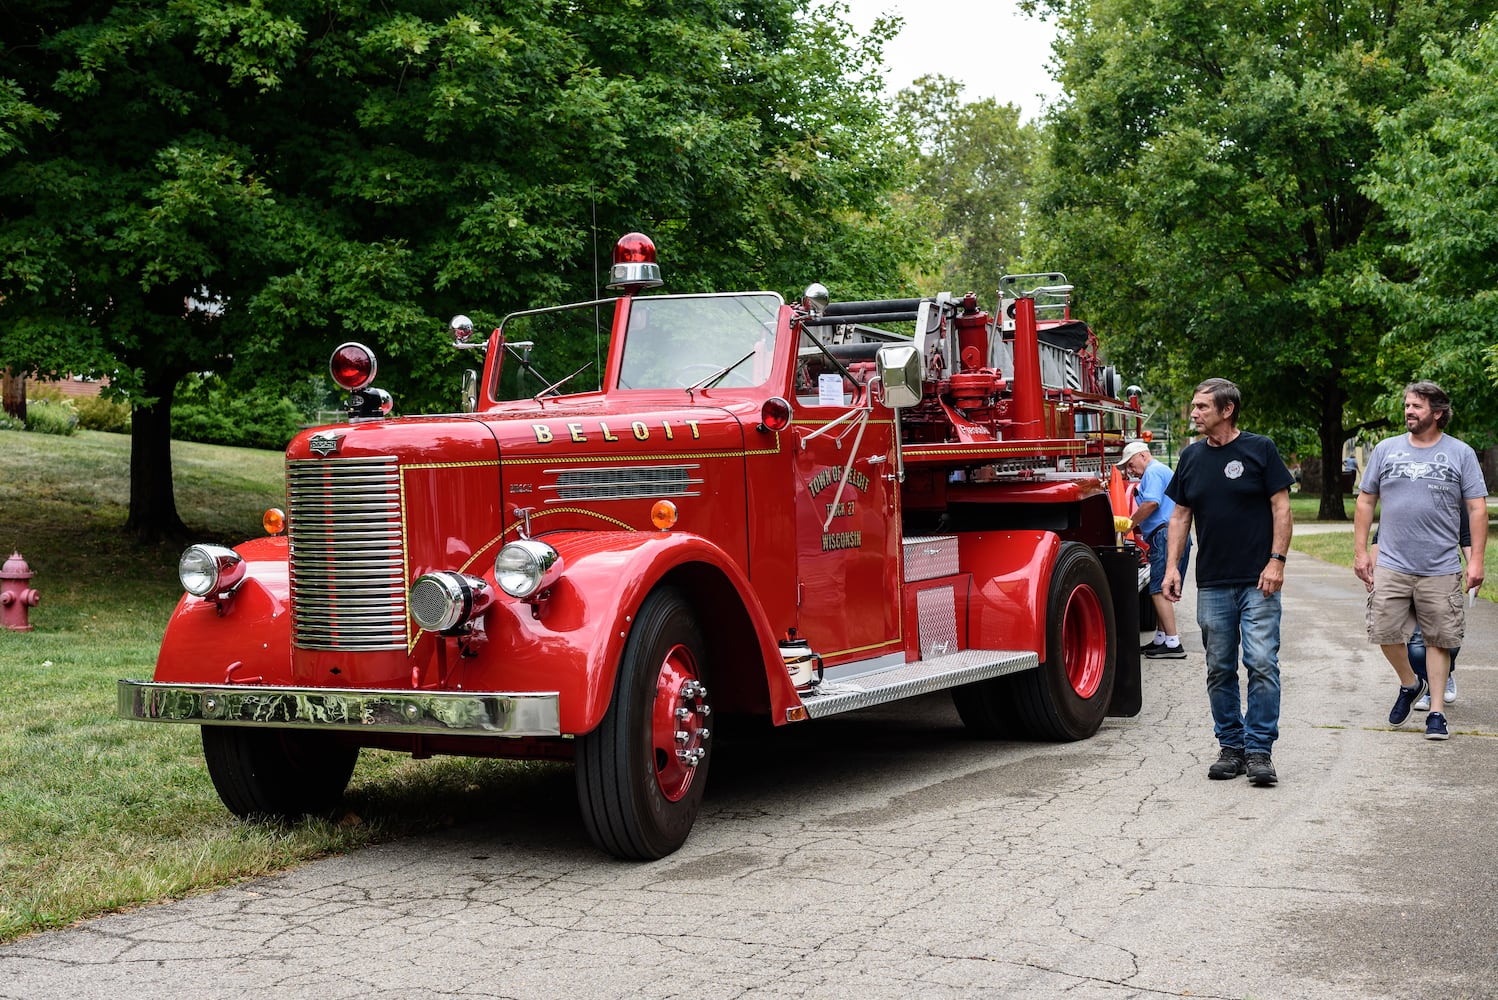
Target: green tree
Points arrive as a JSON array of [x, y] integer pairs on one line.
[[1434, 178], [1206, 165], [971, 176], [212, 185]]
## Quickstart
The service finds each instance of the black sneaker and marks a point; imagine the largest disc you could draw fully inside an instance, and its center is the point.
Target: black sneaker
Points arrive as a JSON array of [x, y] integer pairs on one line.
[[1261, 770], [1164, 652], [1150, 647], [1229, 764], [1406, 701], [1435, 727]]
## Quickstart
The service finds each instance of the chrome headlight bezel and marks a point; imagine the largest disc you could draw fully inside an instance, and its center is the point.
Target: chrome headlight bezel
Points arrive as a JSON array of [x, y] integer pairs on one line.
[[526, 567], [210, 571], [444, 601]]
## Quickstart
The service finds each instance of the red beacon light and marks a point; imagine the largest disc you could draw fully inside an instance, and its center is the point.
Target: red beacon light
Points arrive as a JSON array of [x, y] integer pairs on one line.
[[634, 267], [352, 366]]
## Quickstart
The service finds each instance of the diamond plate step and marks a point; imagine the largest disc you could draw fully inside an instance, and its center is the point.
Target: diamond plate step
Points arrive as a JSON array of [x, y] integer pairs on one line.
[[848, 692]]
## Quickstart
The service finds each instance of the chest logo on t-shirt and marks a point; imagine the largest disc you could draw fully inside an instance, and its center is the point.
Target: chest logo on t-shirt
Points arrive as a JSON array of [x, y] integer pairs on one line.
[[1403, 465], [1233, 470]]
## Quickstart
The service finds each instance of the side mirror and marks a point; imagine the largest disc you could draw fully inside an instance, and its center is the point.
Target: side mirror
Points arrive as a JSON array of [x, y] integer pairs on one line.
[[470, 390], [899, 368], [461, 329]]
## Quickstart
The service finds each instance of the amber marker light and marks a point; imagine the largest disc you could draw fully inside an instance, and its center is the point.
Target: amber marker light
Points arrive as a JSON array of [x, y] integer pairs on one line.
[[1146, 435], [663, 515], [273, 521]]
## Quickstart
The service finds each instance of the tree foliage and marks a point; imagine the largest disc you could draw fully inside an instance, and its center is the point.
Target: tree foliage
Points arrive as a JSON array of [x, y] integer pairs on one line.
[[212, 185], [971, 179], [1434, 177], [1206, 166]]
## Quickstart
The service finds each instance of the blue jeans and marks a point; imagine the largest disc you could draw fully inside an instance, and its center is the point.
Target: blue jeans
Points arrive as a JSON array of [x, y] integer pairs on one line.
[[1416, 647], [1158, 559], [1230, 617]]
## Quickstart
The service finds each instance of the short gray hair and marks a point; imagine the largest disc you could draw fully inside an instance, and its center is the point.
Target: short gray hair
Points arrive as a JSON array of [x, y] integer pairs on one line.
[[1223, 393]]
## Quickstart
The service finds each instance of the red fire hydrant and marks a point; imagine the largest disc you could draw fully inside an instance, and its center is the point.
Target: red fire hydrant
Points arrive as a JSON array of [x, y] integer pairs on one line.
[[15, 596]]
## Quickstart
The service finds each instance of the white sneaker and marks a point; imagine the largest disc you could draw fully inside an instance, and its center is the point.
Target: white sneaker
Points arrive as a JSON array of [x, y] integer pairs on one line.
[[1423, 705], [1450, 689]]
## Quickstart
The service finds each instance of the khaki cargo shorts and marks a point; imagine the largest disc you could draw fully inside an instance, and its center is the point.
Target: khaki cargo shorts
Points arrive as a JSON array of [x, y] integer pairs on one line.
[[1399, 601]]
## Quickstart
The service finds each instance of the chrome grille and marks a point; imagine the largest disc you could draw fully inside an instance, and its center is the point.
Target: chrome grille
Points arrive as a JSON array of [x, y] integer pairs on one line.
[[348, 581], [627, 483]]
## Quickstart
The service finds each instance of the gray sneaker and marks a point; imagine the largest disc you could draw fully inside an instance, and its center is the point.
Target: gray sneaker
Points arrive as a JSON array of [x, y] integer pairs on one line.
[[1423, 705]]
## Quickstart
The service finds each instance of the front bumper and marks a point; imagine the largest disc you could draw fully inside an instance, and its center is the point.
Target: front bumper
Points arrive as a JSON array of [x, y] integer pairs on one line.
[[425, 713]]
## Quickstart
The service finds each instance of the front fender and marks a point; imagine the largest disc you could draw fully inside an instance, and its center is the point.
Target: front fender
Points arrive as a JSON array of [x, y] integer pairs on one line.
[[572, 641], [247, 639]]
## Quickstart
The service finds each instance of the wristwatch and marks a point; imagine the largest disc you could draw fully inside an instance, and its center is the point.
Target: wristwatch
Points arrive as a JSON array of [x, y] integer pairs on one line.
[[1277, 555]]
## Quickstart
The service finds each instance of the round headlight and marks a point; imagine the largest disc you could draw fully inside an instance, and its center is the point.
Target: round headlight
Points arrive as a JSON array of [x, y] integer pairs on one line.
[[207, 570], [525, 567]]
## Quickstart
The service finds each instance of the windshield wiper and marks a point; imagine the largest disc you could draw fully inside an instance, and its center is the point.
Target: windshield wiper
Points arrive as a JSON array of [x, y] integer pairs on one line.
[[712, 380], [557, 385]]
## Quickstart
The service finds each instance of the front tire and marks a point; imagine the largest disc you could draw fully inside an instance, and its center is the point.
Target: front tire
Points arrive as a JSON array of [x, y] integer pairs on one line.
[[277, 773], [1067, 698], [641, 773]]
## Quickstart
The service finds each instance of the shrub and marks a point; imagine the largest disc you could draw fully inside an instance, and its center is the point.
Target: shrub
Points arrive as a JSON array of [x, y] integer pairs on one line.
[[44, 416], [10, 423], [95, 413], [209, 412], [44, 392]]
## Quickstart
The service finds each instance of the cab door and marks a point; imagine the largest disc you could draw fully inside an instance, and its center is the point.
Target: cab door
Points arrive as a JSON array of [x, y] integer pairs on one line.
[[846, 523]]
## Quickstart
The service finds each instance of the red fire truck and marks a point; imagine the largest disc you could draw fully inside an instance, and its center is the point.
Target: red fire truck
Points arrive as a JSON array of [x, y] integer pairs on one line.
[[736, 505]]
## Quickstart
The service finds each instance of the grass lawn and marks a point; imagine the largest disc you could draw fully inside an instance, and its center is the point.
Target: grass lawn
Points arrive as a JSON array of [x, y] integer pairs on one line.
[[98, 813]]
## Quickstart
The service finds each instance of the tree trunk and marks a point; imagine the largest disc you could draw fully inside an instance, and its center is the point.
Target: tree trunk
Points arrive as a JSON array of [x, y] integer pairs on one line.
[[13, 394], [1331, 434], [153, 503]]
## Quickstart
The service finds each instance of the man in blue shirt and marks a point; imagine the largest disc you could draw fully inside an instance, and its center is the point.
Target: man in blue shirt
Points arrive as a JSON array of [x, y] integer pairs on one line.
[[1151, 517]]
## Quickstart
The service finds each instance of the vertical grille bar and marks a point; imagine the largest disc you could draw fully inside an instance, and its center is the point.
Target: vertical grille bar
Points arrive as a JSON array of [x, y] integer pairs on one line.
[[348, 585]]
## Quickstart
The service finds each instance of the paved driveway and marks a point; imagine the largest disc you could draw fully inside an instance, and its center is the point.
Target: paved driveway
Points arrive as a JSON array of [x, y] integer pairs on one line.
[[884, 854]]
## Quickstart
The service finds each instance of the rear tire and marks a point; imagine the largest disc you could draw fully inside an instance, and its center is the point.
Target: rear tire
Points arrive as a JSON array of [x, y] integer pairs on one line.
[[279, 773], [639, 783], [1067, 697]]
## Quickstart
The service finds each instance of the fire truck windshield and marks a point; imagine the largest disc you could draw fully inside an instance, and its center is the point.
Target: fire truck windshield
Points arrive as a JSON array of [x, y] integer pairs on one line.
[[689, 341]]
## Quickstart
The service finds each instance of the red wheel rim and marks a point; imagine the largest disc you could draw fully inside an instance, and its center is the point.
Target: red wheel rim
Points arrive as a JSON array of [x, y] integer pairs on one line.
[[678, 728], [1084, 641]]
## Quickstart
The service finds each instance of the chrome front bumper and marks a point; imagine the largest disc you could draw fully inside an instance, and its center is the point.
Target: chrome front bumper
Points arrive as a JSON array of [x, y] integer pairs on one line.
[[426, 713]]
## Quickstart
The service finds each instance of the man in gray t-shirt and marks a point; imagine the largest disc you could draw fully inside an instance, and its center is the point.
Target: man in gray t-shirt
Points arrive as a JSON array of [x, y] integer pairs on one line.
[[1423, 478]]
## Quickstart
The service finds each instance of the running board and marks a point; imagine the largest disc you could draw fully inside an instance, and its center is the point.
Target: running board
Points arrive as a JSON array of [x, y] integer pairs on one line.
[[883, 682]]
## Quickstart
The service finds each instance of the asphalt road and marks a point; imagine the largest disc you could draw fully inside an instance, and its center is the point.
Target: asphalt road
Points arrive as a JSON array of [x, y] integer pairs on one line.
[[884, 854]]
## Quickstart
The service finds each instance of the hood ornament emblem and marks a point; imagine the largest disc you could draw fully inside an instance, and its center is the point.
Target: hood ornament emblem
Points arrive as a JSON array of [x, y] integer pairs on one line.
[[324, 443]]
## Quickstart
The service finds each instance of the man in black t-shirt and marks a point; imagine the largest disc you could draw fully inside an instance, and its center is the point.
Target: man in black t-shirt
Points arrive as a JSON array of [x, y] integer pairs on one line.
[[1237, 489]]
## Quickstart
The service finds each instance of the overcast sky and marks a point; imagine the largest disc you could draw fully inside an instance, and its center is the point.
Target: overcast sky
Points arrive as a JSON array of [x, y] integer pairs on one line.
[[988, 45]]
